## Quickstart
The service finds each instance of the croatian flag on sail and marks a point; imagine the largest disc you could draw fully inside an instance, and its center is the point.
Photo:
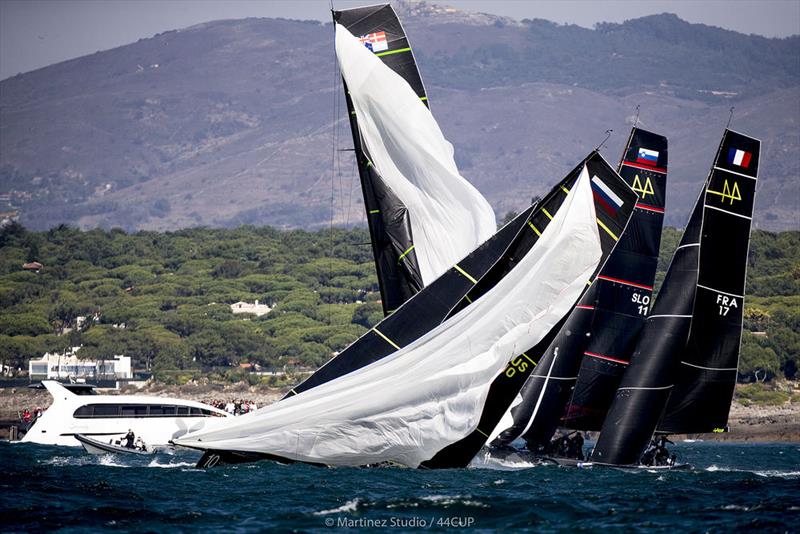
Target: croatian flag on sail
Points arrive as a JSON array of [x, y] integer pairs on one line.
[[647, 156], [738, 157], [375, 41], [604, 196]]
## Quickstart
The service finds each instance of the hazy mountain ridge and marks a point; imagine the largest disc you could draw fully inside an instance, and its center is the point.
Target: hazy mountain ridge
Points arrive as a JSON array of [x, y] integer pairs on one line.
[[229, 122]]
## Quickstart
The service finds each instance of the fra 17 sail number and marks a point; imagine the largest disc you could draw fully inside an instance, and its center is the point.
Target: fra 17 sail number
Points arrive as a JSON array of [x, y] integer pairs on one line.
[[725, 304]]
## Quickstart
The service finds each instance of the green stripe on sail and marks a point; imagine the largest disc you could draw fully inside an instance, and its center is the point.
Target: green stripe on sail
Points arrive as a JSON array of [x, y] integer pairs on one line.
[[465, 273], [389, 341], [390, 52], [535, 229], [403, 255]]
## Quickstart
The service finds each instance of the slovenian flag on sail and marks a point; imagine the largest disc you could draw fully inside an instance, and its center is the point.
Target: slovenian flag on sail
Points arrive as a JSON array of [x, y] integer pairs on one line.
[[647, 156], [740, 158], [375, 41], [604, 196]]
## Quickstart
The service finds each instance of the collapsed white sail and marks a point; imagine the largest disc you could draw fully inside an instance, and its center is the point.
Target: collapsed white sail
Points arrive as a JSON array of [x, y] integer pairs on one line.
[[449, 217], [411, 404]]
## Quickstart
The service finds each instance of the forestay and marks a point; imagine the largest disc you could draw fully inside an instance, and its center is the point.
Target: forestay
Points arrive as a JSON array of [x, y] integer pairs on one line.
[[448, 216], [411, 404]]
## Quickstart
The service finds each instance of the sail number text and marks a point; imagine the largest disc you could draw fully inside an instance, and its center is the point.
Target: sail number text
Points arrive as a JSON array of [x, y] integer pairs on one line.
[[516, 365], [725, 304], [643, 301]]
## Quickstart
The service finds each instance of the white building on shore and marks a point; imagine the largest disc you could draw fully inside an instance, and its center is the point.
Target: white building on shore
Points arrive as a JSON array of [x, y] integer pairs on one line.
[[66, 365], [246, 307]]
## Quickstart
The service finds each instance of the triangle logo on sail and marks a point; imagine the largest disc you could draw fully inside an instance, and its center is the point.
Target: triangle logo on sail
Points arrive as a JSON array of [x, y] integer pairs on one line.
[[645, 190], [728, 192]]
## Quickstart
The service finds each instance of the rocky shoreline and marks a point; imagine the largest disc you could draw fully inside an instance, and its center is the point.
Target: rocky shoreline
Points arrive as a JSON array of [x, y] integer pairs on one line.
[[756, 423]]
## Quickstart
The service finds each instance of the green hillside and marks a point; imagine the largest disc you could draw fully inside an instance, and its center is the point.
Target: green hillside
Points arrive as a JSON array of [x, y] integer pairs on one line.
[[164, 298]]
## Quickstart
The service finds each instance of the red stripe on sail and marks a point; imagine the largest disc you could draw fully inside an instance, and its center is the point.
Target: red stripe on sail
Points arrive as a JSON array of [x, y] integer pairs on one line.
[[649, 208], [609, 358], [626, 282], [645, 167]]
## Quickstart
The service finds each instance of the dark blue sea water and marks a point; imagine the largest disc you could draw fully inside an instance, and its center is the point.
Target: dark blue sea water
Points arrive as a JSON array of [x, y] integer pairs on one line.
[[732, 487]]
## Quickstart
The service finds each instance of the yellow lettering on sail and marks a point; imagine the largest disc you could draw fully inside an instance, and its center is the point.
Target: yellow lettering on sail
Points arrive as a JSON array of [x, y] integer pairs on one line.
[[728, 192], [644, 191]]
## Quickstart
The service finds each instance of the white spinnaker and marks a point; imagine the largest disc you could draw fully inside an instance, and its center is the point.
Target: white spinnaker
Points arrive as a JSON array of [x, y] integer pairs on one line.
[[411, 404], [449, 217]]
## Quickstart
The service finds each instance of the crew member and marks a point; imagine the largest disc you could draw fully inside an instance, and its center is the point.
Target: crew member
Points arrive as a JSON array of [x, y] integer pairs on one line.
[[575, 447], [129, 437], [661, 452]]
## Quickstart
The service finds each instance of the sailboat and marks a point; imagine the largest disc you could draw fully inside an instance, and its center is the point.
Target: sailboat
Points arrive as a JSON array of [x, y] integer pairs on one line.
[[410, 405], [437, 354], [465, 279], [600, 334], [497, 417], [423, 216], [683, 372], [415, 322]]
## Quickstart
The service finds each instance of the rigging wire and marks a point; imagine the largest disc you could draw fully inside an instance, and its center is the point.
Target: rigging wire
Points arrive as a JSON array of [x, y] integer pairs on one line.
[[334, 155], [353, 179], [636, 119], [608, 134], [730, 118]]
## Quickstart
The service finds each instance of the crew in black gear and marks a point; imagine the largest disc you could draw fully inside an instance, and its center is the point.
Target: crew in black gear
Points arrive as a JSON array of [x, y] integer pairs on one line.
[[129, 437], [575, 447]]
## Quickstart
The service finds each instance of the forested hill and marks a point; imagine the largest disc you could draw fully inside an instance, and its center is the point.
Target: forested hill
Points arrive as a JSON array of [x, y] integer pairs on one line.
[[231, 122], [164, 298]]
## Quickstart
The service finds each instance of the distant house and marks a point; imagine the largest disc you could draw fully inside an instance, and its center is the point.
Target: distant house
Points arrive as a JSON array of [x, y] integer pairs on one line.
[[67, 365], [246, 307], [8, 219], [32, 266]]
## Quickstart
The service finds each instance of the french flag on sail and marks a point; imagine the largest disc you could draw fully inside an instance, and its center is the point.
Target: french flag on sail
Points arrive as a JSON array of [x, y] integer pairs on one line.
[[647, 157], [738, 157], [375, 41], [604, 196]]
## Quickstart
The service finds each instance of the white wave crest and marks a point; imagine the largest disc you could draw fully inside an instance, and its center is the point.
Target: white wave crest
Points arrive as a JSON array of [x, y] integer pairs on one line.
[[449, 500], [348, 507], [761, 473]]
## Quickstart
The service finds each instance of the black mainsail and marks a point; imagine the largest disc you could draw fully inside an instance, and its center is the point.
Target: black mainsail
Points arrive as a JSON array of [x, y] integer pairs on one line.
[[614, 202], [399, 276], [684, 369], [623, 294], [422, 215], [607, 319]]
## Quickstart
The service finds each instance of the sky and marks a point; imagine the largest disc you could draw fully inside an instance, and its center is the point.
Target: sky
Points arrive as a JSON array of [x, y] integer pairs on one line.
[[37, 33]]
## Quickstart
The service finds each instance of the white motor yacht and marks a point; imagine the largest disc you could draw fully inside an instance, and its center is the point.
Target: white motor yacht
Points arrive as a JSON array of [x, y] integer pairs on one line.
[[157, 420]]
